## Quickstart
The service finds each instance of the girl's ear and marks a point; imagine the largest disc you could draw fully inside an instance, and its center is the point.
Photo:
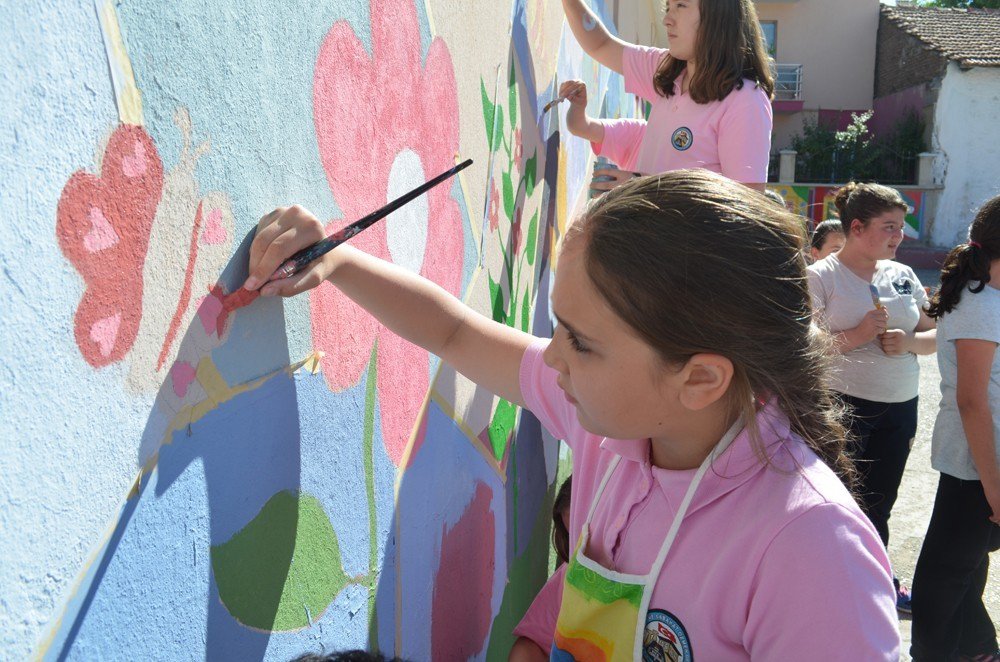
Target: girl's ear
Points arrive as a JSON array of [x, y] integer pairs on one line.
[[856, 227], [706, 379]]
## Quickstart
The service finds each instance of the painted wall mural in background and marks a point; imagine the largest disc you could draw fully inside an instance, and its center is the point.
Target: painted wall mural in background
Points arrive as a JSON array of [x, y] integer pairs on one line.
[[822, 207], [257, 479]]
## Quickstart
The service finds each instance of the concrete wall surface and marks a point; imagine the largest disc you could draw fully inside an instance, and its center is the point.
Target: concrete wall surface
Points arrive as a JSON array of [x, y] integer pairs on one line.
[[966, 136], [189, 473]]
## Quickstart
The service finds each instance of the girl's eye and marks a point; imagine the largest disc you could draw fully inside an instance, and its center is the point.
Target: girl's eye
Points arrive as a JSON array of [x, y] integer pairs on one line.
[[576, 344]]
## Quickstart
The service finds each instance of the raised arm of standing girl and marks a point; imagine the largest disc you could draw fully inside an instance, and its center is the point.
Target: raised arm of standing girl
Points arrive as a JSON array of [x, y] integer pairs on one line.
[[710, 93]]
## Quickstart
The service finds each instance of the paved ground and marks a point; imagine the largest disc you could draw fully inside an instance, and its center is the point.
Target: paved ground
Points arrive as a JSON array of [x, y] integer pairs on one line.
[[916, 496]]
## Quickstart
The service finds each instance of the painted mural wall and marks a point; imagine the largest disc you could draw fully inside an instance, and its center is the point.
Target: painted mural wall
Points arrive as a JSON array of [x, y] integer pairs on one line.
[[190, 472]]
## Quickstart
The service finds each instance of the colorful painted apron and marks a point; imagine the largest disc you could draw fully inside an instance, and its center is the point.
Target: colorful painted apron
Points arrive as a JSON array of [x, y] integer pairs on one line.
[[603, 615]]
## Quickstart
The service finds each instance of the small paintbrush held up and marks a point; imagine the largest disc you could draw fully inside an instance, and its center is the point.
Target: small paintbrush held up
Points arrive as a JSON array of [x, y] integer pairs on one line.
[[552, 104]]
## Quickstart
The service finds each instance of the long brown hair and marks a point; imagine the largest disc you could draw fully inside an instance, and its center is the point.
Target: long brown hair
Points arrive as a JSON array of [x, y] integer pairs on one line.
[[969, 263], [695, 262], [729, 47], [863, 202]]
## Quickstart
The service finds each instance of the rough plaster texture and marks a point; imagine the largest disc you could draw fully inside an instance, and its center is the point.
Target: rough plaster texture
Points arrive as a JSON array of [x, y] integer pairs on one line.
[[180, 478], [965, 135]]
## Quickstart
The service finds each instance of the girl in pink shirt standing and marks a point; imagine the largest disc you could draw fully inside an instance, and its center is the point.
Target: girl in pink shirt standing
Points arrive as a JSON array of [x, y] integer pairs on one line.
[[688, 378], [710, 92]]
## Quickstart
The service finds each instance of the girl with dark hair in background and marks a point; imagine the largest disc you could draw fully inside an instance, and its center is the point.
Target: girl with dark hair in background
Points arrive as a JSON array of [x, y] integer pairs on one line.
[[828, 237], [949, 618], [710, 92], [875, 309], [708, 505]]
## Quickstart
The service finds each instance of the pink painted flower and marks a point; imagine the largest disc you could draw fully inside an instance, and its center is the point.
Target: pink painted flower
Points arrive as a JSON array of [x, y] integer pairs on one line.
[[494, 206], [518, 146], [386, 122], [515, 231]]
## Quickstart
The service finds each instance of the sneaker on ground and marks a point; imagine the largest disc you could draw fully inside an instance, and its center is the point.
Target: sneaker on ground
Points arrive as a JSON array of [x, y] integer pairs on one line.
[[903, 598]]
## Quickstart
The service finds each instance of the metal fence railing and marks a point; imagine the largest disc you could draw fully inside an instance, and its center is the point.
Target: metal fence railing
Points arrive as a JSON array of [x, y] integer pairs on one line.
[[787, 82]]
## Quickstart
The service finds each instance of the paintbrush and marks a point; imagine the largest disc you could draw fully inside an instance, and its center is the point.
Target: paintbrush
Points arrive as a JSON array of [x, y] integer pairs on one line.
[[875, 298], [552, 104], [300, 260]]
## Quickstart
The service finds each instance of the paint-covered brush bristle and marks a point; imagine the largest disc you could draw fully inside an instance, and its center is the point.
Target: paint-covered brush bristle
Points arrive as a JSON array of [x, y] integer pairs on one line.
[[551, 104]]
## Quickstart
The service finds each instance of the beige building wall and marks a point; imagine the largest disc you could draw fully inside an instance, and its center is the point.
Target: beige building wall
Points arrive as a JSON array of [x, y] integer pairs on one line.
[[834, 41]]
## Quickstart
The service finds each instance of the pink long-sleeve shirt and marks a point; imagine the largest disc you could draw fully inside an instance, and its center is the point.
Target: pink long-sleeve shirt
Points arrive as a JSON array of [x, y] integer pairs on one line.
[[772, 562], [731, 137]]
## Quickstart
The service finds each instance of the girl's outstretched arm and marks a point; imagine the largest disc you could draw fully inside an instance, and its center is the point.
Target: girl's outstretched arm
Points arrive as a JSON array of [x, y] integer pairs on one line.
[[411, 306], [593, 37]]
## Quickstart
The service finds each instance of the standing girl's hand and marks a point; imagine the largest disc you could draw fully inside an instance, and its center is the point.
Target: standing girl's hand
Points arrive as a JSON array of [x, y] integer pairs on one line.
[[895, 342], [993, 498], [281, 234], [872, 325], [575, 91], [617, 178]]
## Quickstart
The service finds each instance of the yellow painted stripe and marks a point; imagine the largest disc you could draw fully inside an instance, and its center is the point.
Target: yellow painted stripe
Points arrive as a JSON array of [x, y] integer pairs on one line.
[[122, 79]]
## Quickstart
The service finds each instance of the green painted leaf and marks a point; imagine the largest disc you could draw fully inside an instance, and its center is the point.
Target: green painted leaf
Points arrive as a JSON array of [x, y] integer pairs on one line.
[[512, 97], [530, 173], [488, 110], [498, 134], [501, 427], [496, 297], [529, 245], [283, 568], [508, 196]]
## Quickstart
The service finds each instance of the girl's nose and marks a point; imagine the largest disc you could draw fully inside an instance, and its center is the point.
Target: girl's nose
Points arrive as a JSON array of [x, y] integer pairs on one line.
[[553, 359]]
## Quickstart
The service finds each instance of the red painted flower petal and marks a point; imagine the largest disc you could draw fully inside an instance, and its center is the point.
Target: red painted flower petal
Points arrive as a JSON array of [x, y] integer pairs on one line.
[[462, 608], [403, 379]]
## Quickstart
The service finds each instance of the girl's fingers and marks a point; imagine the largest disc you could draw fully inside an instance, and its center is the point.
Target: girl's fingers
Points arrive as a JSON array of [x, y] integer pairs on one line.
[[303, 281], [279, 249], [267, 230]]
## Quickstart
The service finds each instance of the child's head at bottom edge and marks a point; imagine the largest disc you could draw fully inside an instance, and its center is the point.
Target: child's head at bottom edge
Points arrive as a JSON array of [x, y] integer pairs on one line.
[[685, 291]]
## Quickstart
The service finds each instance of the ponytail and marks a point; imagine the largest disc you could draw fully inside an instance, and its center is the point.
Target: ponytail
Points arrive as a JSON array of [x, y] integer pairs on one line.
[[968, 265]]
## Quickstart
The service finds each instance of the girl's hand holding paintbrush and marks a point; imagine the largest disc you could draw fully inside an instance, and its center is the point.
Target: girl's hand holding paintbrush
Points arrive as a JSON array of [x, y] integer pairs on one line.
[[281, 234], [577, 121], [288, 272], [872, 325], [409, 305], [893, 341]]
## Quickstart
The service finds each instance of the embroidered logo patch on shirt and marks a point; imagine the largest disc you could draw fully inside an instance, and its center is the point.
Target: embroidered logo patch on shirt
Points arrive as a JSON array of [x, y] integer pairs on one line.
[[682, 139], [903, 285], [665, 639]]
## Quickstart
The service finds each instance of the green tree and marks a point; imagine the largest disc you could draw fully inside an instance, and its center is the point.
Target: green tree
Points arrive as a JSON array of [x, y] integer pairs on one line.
[[976, 4]]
